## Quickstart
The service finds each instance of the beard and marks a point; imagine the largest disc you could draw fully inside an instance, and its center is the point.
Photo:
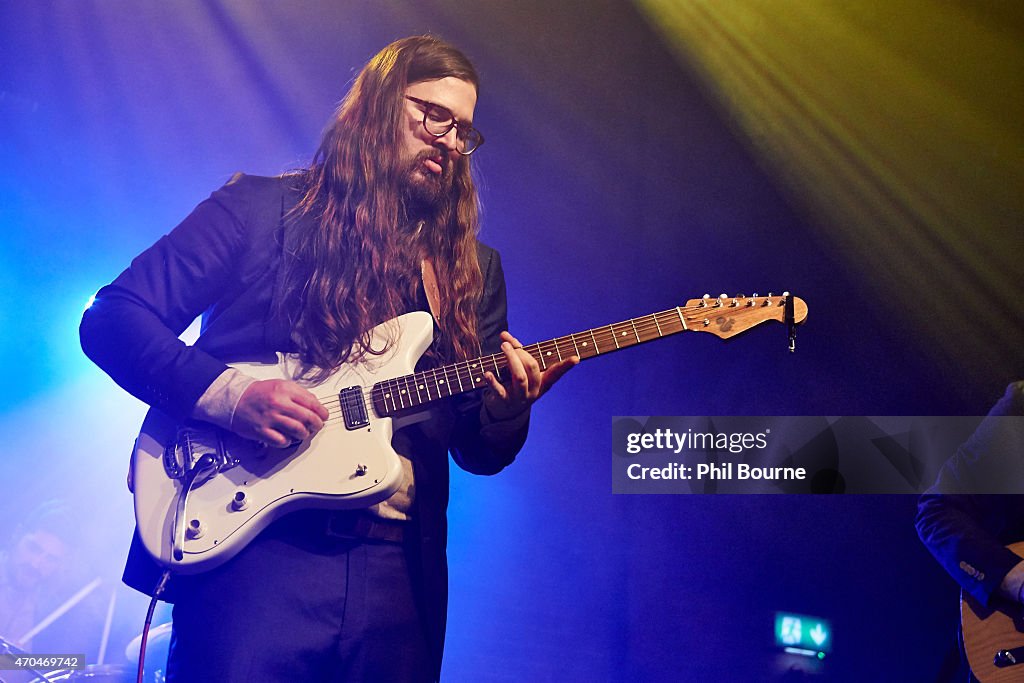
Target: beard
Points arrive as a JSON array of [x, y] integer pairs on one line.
[[426, 193]]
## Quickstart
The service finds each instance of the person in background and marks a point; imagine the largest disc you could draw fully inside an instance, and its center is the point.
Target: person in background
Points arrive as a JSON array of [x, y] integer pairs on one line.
[[976, 507]]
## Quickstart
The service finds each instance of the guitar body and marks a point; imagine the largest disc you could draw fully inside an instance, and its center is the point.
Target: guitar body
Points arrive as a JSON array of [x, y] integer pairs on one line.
[[340, 467], [990, 630]]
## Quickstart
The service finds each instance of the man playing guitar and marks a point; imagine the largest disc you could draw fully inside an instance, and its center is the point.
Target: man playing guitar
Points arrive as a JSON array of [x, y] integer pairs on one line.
[[382, 222]]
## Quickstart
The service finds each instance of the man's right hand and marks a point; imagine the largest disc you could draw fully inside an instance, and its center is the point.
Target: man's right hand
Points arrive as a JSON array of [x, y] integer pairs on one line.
[[277, 412]]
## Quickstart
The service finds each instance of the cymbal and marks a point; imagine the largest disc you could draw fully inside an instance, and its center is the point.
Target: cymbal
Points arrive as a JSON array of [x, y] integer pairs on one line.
[[158, 635]]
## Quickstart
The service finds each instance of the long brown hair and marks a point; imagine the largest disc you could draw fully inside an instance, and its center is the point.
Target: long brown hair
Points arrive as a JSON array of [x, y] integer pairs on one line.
[[358, 263]]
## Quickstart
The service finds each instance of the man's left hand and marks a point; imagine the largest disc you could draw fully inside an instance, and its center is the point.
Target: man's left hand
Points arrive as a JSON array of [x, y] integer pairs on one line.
[[526, 382]]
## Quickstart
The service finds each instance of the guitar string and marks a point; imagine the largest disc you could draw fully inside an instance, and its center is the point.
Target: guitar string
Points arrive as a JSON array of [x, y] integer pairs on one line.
[[440, 375], [641, 326]]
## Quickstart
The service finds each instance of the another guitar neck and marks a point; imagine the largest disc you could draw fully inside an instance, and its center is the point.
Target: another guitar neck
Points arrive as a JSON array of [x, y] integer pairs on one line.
[[723, 317]]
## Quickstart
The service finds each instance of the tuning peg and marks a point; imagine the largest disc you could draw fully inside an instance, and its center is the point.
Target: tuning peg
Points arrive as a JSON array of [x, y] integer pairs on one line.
[[704, 301]]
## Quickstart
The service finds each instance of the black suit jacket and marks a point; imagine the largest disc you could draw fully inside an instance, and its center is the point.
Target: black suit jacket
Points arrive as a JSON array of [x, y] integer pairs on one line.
[[224, 262], [966, 530]]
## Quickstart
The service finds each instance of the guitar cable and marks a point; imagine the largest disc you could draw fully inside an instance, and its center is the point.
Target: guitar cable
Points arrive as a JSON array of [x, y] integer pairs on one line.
[[157, 592]]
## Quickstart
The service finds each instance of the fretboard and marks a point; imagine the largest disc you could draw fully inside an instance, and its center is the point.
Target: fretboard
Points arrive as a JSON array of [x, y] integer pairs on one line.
[[411, 391]]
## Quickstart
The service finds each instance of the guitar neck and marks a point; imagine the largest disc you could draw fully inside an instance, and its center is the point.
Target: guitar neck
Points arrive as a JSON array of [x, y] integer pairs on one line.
[[411, 391], [724, 317]]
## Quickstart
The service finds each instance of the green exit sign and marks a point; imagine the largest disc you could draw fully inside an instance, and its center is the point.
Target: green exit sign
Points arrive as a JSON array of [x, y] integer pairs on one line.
[[802, 634]]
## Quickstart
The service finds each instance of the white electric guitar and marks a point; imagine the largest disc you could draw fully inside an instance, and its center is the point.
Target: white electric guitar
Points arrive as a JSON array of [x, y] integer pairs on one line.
[[202, 493]]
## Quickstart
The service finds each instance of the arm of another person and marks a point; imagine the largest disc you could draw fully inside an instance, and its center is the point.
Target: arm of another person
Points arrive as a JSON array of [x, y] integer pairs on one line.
[[961, 532], [961, 519]]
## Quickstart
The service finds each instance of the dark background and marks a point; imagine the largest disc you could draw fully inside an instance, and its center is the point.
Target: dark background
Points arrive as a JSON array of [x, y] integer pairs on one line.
[[615, 182]]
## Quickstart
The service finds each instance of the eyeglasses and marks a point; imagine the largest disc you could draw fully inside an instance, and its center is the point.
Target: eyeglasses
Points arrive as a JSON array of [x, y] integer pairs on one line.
[[438, 120]]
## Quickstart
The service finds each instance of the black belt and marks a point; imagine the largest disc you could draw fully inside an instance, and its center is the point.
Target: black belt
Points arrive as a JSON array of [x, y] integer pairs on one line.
[[324, 525], [349, 524]]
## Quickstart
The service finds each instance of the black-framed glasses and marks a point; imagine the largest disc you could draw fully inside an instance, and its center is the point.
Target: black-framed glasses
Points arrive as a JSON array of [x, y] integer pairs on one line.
[[438, 120]]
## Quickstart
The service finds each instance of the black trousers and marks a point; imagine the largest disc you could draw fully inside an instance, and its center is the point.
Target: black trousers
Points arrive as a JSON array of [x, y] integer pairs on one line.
[[300, 605]]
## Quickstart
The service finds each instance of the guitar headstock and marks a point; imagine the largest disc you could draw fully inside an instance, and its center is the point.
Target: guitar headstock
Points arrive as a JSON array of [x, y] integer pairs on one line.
[[727, 316]]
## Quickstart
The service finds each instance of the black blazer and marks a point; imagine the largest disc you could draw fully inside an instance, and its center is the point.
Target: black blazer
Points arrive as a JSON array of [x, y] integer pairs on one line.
[[224, 262], [966, 528]]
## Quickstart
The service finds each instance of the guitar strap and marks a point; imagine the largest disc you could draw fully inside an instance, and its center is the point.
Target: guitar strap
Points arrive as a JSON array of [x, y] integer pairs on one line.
[[430, 287]]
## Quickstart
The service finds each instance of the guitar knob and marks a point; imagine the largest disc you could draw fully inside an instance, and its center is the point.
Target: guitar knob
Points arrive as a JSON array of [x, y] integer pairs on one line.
[[195, 529], [361, 470], [239, 502]]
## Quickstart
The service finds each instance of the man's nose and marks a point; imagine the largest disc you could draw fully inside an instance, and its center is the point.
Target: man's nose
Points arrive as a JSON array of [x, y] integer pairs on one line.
[[450, 140]]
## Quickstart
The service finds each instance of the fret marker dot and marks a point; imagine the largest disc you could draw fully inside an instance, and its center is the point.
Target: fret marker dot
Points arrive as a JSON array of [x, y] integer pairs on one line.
[[584, 343], [548, 353], [441, 381], [623, 334], [420, 386], [403, 391]]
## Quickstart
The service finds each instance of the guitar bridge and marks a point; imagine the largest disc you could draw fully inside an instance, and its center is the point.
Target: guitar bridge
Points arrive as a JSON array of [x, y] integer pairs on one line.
[[192, 443], [197, 455]]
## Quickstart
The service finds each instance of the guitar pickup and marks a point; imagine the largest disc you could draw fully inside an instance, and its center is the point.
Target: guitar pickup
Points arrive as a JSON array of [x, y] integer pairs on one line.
[[353, 408]]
